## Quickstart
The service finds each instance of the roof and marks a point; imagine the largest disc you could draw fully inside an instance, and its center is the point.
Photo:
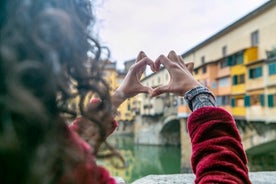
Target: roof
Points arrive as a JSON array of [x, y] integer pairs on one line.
[[232, 26]]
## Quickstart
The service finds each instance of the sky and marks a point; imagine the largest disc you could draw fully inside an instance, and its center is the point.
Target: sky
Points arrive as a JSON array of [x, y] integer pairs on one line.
[[158, 26]]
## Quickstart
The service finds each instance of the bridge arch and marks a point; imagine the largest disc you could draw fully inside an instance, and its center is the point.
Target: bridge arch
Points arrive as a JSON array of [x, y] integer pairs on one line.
[[170, 131]]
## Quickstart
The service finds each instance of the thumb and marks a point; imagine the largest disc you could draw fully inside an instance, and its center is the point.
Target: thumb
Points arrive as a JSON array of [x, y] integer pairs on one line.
[[145, 89], [159, 90]]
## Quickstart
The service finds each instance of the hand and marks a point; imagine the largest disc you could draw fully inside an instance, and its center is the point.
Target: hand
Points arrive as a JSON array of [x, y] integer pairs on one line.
[[181, 80], [131, 85]]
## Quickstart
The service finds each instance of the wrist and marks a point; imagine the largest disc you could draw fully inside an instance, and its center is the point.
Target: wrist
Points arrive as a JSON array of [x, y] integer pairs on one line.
[[190, 87], [117, 98], [199, 97]]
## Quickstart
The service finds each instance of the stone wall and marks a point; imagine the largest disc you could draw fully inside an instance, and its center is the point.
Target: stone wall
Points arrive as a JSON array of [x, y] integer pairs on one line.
[[255, 177]]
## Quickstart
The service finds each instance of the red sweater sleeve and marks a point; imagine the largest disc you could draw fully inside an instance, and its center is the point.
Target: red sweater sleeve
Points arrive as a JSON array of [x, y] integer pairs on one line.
[[86, 172], [217, 153]]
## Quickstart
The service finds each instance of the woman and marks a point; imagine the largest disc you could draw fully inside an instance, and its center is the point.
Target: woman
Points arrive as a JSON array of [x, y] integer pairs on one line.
[[45, 67]]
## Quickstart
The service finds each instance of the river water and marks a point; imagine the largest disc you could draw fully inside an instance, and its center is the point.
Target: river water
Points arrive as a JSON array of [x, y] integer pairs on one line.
[[142, 160]]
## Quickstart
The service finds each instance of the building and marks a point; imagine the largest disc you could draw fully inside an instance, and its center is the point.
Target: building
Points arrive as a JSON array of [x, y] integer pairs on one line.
[[238, 64]]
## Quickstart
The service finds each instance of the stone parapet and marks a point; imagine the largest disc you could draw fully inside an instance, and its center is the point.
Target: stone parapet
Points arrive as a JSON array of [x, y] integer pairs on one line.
[[255, 177]]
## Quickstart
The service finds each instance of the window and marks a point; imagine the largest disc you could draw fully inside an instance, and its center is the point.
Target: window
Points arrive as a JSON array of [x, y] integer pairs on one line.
[[182, 101], [240, 102], [262, 99], [254, 100], [235, 59], [246, 101], [271, 54], [255, 72], [204, 69], [224, 51], [233, 102], [224, 63], [238, 79], [223, 100], [241, 79], [237, 102], [272, 68], [271, 98], [239, 58], [230, 60], [202, 59], [255, 38], [223, 82], [213, 84], [196, 71]]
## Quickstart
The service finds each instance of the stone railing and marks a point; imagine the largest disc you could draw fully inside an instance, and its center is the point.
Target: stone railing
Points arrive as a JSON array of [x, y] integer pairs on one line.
[[255, 177]]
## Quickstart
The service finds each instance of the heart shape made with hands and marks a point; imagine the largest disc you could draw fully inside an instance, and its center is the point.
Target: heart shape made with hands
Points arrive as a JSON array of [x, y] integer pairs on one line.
[[181, 78]]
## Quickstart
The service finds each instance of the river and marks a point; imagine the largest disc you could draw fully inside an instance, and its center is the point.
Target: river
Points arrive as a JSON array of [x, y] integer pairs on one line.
[[142, 160]]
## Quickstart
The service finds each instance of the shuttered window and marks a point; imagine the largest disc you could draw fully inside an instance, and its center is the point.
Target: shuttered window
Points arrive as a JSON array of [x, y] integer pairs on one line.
[[270, 99], [272, 68], [247, 101], [233, 102], [255, 72], [262, 100]]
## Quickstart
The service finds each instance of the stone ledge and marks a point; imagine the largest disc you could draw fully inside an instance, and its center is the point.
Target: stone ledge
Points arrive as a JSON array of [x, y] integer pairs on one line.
[[255, 177]]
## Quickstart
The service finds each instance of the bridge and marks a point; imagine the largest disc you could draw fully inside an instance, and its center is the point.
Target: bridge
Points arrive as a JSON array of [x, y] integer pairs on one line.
[[164, 124]]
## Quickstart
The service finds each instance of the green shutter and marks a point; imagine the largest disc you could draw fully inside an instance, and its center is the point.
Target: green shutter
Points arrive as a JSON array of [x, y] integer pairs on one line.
[[233, 102], [247, 101], [234, 80], [234, 60], [229, 61], [262, 101], [240, 58], [251, 76], [270, 100]]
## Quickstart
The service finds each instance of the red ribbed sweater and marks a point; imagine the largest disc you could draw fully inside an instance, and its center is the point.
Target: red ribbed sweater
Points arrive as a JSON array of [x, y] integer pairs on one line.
[[217, 153]]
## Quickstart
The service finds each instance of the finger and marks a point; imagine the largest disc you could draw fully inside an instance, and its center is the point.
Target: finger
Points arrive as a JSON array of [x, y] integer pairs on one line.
[[140, 56], [144, 62], [173, 56], [94, 103], [159, 90], [95, 100], [162, 60], [145, 89], [181, 61], [190, 67]]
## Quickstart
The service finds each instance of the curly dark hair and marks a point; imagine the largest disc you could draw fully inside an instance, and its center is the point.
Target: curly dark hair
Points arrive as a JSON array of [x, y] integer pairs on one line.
[[49, 65]]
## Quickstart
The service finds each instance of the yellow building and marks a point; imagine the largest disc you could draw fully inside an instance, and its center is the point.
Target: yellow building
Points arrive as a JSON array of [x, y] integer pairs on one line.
[[110, 75]]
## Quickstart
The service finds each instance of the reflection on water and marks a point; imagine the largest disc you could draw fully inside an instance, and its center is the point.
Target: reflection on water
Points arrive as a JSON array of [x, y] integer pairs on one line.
[[263, 162], [142, 160]]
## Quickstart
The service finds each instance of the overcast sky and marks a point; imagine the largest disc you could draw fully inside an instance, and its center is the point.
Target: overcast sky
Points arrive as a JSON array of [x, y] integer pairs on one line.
[[158, 26]]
